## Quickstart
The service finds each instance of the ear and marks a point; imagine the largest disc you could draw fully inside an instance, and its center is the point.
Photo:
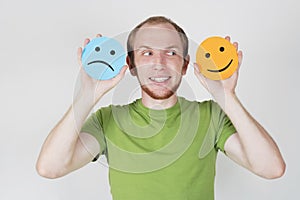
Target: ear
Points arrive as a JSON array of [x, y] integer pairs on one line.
[[186, 62], [131, 66]]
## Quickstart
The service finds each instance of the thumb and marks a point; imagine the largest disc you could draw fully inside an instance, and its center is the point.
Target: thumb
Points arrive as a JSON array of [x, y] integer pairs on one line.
[[79, 54], [121, 74], [199, 75], [123, 70]]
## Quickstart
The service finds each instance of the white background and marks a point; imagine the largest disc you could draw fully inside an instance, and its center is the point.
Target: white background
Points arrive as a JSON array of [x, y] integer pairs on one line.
[[38, 44]]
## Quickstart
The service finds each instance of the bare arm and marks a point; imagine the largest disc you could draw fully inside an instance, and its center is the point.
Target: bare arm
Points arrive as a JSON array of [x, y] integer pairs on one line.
[[66, 149], [252, 146]]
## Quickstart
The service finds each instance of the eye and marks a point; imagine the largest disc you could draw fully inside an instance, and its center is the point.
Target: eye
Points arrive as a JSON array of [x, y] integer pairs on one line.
[[171, 53], [207, 55], [97, 49], [147, 53], [112, 52], [222, 49]]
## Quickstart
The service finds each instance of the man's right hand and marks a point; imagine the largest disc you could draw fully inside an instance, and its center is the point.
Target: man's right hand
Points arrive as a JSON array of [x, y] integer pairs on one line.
[[67, 148], [91, 88]]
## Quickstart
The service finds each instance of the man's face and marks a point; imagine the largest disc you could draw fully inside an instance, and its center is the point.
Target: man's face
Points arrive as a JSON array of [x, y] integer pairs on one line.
[[158, 56]]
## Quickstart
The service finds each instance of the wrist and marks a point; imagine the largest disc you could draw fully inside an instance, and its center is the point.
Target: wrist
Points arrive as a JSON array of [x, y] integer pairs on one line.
[[81, 108], [226, 100], [86, 98]]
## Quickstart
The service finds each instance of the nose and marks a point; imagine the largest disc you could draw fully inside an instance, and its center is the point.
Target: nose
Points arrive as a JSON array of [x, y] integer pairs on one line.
[[159, 60]]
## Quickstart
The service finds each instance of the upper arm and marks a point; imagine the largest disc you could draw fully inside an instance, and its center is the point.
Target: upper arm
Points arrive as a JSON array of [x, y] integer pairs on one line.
[[234, 150], [86, 149]]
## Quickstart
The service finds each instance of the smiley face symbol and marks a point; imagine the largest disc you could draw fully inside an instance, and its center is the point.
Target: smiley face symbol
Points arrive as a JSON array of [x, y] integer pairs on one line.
[[103, 57], [217, 58]]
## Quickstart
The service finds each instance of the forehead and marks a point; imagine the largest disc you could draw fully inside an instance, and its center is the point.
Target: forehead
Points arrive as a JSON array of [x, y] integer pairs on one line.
[[158, 36]]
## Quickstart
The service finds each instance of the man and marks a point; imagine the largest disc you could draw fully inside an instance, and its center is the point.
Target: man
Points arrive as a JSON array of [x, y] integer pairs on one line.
[[160, 146]]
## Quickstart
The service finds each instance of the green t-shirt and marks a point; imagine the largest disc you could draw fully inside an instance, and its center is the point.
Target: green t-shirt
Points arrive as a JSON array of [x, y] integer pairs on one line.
[[161, 154]]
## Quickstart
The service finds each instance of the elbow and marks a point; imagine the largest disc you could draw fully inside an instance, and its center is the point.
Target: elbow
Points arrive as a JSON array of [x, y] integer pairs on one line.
[[275, 171], [46, 172], [278, 171]]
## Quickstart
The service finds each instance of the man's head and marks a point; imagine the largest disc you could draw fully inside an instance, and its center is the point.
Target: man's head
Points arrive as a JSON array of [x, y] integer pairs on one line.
[[158, 56], [155, 20]]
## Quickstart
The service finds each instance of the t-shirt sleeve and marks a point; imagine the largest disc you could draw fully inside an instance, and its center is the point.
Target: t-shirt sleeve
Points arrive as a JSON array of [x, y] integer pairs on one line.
[[225, 128], [93, 126]]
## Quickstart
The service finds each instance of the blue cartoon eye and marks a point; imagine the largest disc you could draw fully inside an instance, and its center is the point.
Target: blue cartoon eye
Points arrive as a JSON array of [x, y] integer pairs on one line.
[[112, 52], [97, 49]]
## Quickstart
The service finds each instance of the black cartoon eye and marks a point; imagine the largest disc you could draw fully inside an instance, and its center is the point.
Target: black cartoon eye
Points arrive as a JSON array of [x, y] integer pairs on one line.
[[97, 49], [222, 49], [112, 52], [207, 55]]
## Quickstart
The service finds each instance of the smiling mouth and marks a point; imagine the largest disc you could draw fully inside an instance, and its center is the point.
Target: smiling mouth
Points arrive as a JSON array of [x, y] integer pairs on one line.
[[223, 69], [103, 62], [159, 79]]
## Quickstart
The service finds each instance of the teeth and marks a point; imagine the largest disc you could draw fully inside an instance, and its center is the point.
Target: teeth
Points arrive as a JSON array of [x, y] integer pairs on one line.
[[159, 79]]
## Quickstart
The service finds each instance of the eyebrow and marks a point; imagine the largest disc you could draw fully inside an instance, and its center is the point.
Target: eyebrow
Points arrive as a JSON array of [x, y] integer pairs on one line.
[[166, 48]]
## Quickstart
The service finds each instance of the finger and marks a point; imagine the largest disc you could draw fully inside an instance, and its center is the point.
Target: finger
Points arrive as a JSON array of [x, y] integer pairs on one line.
[[196, 67], [227, 38], [121, 74], [236, 73], [197, 71], [203, 81], [200, 77], [236, 45], [79, 54], [240, 57], [86, 41], [123, 70]]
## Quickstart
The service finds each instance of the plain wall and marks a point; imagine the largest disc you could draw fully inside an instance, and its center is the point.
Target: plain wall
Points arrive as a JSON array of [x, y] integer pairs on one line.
[[38, 45]]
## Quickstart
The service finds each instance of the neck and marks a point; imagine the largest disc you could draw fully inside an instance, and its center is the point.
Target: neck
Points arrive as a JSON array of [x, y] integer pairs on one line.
[[158, 104]]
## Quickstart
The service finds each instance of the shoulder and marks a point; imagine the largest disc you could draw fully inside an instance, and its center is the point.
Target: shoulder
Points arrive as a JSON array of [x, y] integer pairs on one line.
[[209, 104], [106, 111], [208, 109]]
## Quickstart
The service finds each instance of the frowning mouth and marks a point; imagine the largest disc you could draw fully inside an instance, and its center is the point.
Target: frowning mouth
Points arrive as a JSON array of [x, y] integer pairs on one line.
[[220, 70], [103, 62]]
